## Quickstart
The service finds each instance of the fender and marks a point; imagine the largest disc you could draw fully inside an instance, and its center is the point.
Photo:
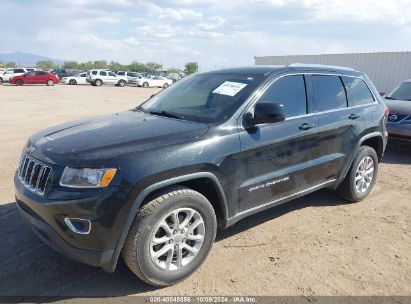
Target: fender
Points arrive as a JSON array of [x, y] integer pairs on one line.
[[150, 189], [360, 142]]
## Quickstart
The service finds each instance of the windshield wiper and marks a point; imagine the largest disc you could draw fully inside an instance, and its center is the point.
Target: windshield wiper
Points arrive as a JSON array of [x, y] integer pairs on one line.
[[165, 114]]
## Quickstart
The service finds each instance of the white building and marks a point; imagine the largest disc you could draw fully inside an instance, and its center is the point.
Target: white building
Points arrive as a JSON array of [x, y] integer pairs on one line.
[[386, 69]]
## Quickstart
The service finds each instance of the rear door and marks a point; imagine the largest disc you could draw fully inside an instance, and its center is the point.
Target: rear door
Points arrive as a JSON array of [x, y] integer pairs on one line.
[[30, 78], [41, 77], [280, 159], [339, 125]]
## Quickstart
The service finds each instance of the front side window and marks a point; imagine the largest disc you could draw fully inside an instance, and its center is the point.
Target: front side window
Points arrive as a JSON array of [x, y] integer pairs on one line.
[[329, 93], [112, 74], [94, 72], [208, 97], [121, 73], [31, 74], [103, 73], [41, 73], [83, 75], [290, 92], [401, 92], [358, 92]]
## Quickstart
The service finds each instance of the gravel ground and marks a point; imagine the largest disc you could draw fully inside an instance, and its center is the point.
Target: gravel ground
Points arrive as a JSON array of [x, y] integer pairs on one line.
[[316, 245]]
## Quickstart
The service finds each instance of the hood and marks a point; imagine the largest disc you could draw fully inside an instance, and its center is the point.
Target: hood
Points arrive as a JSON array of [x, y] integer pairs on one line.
[[398, 106], [101, 138]]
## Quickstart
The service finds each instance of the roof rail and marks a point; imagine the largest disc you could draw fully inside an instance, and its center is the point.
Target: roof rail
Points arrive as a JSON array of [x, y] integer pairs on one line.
[[323, 66]]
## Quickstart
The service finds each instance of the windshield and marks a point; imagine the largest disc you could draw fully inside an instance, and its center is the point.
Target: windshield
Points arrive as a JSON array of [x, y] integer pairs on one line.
[[208, 97], [402, 92]]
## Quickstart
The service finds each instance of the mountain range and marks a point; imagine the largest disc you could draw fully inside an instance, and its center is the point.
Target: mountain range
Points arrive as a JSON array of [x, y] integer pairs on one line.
[[26, 59]]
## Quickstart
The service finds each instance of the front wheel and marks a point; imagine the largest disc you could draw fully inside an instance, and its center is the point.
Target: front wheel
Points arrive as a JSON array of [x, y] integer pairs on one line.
[[1, 80], [121, 83], [50, 82], [72, 82], [170, 237], [361, 177], [98, 82], [165, 85], [145, 85]]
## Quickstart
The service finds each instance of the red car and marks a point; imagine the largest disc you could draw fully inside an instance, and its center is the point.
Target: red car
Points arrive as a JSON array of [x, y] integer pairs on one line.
[[35, 77]]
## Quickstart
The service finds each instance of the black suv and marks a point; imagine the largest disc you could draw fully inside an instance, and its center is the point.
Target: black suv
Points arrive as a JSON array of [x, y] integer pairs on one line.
[[154, 183]]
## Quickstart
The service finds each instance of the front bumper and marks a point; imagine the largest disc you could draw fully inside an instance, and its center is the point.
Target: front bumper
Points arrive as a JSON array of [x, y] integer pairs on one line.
[[400, 131], [47, 220]]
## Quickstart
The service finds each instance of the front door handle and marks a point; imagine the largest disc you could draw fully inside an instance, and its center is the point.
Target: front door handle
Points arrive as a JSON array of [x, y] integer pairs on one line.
[[353, 116], [306, 126]]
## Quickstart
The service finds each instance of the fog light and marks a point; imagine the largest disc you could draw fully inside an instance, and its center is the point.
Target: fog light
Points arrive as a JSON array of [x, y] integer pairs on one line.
[[78, 225]]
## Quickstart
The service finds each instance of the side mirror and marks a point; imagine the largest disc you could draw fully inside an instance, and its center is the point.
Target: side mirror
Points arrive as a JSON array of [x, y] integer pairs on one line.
[[268, 112]]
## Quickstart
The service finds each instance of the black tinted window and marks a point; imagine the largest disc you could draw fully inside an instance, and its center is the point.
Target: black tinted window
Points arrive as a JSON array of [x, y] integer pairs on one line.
[[103, 73], [329, 93], [290, 92], [18, 71], [31, 74], [120, 73], [41, 73], [357, 91], [94, 72]]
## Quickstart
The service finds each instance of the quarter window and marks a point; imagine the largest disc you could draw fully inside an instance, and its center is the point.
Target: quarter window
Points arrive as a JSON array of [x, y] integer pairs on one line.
[[329, 93], [357, 91], [290, 92]]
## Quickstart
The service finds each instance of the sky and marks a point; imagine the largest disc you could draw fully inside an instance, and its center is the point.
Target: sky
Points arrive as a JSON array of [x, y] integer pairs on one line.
[[215, 34]]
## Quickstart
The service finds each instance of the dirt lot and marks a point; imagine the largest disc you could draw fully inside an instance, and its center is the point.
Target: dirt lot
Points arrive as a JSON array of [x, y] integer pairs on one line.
[[316, 245]]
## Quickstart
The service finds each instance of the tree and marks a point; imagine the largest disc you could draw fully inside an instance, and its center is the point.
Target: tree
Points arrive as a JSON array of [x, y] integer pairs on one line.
[[10, 64], [115, 66], [172, 70], [86, 65], [100, 64], [71, 65], [137, 67], [45, 64], [191, 67], [152, 66]]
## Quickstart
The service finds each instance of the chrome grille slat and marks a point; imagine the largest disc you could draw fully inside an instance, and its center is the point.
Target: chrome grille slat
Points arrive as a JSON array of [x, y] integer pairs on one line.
[[33, 174]]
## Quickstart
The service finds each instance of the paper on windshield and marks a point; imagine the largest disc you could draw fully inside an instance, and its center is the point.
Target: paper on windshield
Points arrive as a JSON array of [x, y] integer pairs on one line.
[[230, 88]]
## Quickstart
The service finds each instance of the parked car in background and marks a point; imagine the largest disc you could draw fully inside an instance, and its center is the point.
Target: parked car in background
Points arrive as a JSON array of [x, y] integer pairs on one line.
[[399, 104], [132, 77], [80, 78], [100, 77], [10, 73], [35, 77], [154, 81], [60, 73]]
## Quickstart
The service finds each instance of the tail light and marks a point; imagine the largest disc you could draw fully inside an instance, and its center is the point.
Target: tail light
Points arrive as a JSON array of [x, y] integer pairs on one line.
[[386, 112]]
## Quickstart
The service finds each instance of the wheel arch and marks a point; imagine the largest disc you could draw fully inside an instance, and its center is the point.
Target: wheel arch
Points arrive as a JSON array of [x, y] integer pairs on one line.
[[198, 181]]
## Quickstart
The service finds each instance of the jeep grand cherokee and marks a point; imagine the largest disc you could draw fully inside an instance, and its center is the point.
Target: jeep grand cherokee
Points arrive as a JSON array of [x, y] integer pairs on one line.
[[152, 184]]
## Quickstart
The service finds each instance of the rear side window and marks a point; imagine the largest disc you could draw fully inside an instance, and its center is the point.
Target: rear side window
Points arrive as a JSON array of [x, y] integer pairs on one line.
[[103, 73], [121, 73], [41, 73], [290, 92], [329, 93], [358, 92], [82, 75], [19, 71], [111, 74], [94, 72]]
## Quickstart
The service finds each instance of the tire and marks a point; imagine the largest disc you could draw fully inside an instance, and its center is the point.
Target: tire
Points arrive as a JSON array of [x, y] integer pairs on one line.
[[19, 82], [121, 83], [72, 82], [1, 80], [138, 248], [145, 85], [350, 188], [98, 82], [50, 83], [165, 85]]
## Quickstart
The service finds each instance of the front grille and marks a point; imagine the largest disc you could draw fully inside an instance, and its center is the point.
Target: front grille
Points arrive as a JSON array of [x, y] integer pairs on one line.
[[33, 174]]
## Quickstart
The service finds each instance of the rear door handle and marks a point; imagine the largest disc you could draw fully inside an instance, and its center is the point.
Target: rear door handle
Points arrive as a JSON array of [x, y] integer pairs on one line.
[[306, 126], [353, 116]]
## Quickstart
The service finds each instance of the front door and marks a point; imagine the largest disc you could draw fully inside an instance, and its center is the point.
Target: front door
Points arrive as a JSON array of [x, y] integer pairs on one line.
[[278, 160]]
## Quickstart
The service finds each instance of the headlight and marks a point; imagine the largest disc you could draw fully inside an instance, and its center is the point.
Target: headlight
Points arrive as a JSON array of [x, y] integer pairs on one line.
[[86, 178]]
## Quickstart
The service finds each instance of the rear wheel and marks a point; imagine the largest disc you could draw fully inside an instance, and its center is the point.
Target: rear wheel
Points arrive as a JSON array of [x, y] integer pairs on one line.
[[98, 82], [19, 82], [1, 80], [50, 82], [145, 85], [121, 83], [170, 237], [361, 177], [165, 85], [72, 82]]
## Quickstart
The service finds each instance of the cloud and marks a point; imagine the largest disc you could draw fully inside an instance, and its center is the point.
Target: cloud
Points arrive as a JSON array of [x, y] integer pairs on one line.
[[214, 33]]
